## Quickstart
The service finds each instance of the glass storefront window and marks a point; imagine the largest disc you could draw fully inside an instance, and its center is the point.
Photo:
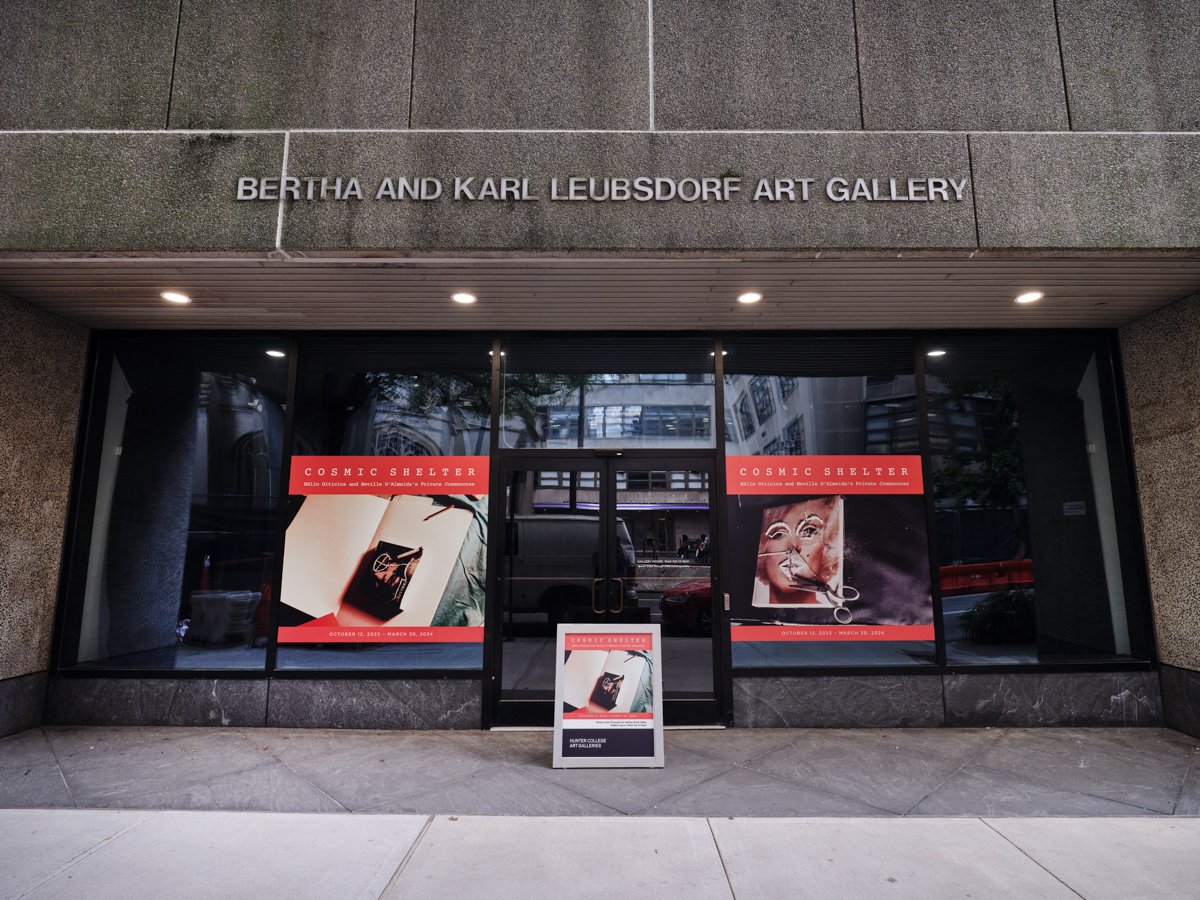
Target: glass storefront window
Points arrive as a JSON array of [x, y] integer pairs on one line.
[[185, 532], [1028, 529], [1014, 485], [387, 569], [876, 573], [826, 566]]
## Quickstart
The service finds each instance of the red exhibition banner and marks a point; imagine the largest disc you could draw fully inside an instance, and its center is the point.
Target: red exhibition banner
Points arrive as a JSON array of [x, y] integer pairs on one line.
[[828, 548], [385, 549]]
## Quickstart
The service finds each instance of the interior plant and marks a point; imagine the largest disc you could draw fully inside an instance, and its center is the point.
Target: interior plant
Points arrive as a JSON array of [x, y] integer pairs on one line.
[[1004, 617]]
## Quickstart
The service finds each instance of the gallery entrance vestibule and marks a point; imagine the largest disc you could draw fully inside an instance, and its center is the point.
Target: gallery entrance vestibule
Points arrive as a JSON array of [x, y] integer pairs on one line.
[[605, 537]]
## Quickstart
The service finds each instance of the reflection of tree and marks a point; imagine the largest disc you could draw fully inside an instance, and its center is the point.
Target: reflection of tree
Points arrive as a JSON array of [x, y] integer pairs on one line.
[[991, 473], [466, 398], [463, 398], [526, 394]]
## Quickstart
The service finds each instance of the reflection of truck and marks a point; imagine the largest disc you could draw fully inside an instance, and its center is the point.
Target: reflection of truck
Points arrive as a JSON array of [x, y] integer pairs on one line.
[[551, 563], [984, 578]]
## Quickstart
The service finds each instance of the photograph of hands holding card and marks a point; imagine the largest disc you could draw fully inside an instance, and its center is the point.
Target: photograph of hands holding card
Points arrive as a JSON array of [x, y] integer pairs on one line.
[[361, 561]]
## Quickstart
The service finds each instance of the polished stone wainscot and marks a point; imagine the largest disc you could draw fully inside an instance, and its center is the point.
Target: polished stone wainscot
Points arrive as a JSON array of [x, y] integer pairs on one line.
[[21, 702], [375, 703], [1054, 699], [967, 700], [157, 701], [836, 701], [1181, 699], [289, 703]]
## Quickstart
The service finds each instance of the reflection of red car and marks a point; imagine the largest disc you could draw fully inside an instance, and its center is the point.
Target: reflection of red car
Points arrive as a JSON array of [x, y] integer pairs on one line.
[[984, 578], [687, 607]]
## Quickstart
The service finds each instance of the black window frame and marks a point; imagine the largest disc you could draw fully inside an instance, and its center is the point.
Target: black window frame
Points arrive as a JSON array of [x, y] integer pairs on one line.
[[81, 509]]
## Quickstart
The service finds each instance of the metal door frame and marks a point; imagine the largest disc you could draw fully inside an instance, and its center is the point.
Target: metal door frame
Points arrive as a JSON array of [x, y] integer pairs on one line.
[[507, 712]]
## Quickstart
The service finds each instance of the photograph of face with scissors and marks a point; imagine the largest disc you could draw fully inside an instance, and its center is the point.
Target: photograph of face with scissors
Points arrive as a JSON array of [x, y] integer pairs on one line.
[[800, 557], [837, 560]]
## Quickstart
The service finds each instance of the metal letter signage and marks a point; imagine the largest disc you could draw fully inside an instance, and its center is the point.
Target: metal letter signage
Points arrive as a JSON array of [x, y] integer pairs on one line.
[[418, 188]]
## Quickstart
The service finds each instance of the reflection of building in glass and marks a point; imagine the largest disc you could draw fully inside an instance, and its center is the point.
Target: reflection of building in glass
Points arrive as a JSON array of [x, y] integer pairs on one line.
[[610, 410], [797, 416], [673, 411], [978, 477], [238, 436], [745, 417], [403, 415], [561, 423], [764, 404], [891, 414]]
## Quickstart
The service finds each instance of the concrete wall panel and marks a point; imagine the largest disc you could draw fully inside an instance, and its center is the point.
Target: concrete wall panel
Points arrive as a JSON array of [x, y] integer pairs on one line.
[[1132, 66], [736, 224], [531, 64], [303, 64], [133, 191], [975, 64], [1088, 191], [41, 379], [1162, 380], [95, 192], [86, 64], [755, 64]]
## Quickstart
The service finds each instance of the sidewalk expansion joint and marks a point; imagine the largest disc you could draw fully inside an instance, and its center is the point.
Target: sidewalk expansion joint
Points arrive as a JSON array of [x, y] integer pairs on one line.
[[407, 856]]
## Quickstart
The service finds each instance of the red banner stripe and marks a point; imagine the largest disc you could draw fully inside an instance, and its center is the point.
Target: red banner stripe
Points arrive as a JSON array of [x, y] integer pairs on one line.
[[832, 633], [814, 475], [389, 475], [336, 634]]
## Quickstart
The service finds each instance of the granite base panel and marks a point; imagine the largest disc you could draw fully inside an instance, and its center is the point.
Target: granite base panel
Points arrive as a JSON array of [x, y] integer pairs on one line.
[[369, 703], [157, 701], [22, 701], [967, 700], [255, 703], [1181, 699], [820, 701], [836, 701], [1054, 699]]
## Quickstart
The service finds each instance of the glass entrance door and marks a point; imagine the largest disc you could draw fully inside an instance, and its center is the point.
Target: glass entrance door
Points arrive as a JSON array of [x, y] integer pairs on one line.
[[603, 538]]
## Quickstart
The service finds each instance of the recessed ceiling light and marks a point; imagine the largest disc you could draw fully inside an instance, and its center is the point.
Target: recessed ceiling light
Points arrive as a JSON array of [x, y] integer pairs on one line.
[[1030, 297], [277, 354], [750, 297], [935, 353], [463, 298], [175, 297]]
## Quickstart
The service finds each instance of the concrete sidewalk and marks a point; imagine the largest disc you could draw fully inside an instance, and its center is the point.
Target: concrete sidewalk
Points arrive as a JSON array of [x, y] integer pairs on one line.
[[877, 813], [117, 854], [709, 773]]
